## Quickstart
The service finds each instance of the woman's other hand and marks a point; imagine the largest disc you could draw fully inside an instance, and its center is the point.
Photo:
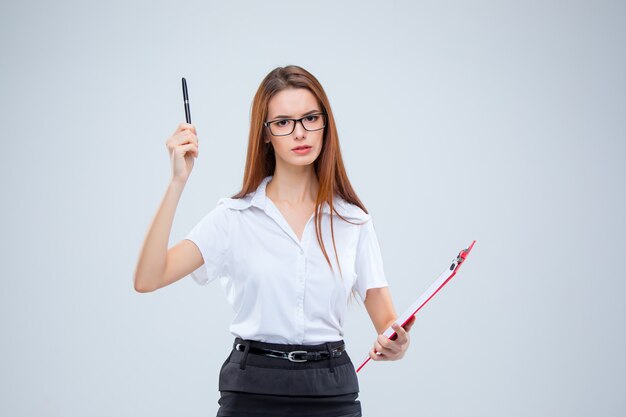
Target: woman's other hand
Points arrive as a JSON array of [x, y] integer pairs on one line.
[[391, 350]]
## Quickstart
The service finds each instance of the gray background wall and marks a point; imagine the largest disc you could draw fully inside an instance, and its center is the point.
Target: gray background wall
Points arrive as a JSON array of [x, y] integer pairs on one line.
[[496, 121]]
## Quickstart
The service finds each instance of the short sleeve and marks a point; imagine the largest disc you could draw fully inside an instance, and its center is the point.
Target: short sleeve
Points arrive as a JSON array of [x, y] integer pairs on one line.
[[210, 235], [369, 261]]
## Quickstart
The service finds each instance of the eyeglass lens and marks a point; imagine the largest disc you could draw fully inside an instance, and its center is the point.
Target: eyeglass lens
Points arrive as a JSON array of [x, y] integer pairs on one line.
[[286, 126]]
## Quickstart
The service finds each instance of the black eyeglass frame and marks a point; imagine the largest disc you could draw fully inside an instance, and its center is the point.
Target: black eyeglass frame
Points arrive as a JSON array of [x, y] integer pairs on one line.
[[267, 124]]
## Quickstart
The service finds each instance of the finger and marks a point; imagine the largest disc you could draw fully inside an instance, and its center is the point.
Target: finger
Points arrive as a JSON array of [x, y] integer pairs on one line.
[[384, 342], [385, 350], [186, 136], [377, 356], [392, 349], [184, 126], [181, 138], [402, 336], [409, 324], [188, 148]]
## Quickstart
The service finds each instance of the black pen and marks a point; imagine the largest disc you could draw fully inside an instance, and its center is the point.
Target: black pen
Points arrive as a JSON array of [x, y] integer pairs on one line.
[[186, 100]]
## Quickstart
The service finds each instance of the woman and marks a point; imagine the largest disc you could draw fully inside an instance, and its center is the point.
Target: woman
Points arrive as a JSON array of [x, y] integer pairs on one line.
[[288, 289]]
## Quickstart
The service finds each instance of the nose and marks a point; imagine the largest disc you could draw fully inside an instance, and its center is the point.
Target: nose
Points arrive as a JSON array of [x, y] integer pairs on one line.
[[299, 130]]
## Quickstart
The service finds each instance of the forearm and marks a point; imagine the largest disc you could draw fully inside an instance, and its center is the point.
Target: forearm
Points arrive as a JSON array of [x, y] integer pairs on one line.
[[153, 256], [383, 323], [380, 308]]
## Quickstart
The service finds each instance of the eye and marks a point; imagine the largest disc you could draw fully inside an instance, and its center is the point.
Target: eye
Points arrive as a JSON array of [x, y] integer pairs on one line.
[[284, 122], [312, 118]]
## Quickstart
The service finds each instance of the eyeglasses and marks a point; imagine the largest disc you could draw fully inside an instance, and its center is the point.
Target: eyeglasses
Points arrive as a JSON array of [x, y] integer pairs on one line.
[[284, 127]]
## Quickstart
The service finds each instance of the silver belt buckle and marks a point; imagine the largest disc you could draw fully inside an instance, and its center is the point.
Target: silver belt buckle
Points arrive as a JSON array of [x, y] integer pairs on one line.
[[295, 352]]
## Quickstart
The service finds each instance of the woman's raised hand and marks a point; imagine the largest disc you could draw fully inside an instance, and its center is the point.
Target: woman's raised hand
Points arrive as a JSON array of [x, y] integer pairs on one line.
[[183, 149]]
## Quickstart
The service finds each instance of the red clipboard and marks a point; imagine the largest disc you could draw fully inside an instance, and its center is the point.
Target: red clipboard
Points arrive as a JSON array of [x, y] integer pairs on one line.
[[443, 279]]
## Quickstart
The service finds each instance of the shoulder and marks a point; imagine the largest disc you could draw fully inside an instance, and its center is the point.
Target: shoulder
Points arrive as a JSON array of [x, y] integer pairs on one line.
[[221, 212], [350, 211], [235, 203]]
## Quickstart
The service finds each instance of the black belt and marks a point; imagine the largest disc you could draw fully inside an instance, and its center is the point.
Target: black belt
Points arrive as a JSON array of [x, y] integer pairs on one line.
[[294, 355]]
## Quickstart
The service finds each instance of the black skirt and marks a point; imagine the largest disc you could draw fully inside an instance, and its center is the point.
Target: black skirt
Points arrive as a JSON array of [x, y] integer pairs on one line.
[[253, 385]]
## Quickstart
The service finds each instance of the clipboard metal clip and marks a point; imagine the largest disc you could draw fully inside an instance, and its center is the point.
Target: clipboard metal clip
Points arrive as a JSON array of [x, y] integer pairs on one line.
[[456, 262]]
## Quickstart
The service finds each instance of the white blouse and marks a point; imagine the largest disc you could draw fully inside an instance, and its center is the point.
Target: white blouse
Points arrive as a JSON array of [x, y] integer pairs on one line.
[[282, 289]]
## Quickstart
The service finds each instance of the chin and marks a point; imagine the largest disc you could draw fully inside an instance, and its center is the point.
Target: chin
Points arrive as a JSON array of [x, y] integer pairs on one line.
[[303, 162]]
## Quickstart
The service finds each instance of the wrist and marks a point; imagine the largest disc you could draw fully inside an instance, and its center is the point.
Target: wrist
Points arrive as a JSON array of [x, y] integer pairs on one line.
[[177, 185]]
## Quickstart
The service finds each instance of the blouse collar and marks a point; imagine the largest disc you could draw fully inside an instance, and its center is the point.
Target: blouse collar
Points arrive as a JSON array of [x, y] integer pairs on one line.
[[258, 198]]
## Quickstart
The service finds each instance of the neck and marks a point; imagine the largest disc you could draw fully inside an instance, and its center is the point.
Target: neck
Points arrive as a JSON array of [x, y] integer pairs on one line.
[[294, 187]]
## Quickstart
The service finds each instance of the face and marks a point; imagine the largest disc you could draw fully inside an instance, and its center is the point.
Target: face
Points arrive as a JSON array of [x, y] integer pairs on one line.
[[294, 103]]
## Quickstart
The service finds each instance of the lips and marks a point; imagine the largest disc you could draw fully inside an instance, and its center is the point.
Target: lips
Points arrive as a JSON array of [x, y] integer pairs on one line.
[[300, 147]]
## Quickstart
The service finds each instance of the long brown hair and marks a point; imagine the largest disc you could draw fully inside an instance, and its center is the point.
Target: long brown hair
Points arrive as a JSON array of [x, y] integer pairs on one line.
[[328, 166]]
